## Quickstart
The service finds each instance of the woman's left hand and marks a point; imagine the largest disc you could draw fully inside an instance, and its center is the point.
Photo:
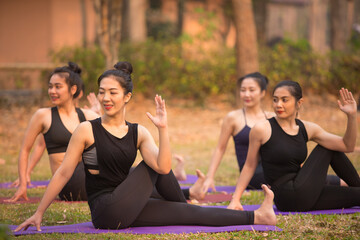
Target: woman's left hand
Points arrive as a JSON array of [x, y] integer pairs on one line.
[[347, 103], [160, 119]]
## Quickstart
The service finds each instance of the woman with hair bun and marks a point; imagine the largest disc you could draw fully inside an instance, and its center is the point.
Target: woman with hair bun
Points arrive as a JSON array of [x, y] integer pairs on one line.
[[56, 124], [119, 199], [281, 142]]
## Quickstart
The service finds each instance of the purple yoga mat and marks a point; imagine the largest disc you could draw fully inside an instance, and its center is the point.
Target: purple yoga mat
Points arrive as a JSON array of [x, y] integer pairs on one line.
[[34, 184], [315, 212], [190, 179], [88, 228]]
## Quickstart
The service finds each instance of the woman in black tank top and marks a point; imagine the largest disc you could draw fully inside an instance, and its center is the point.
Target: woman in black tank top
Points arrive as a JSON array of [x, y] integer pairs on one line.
[[281, 143], [119, 199], [58, 122]]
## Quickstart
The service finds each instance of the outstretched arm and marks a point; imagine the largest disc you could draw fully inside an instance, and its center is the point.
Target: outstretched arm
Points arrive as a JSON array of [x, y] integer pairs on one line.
[[158, 159], [226, 131], [61, 177], [347, 104], [248, 170]]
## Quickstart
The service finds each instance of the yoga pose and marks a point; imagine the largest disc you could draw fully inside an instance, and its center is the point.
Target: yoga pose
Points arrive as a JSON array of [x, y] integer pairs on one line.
[[119, 199], [56, 124], [281, 144], [238, 124]]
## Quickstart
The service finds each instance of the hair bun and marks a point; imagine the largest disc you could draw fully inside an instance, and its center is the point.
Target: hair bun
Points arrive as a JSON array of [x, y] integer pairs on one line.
[[74, 67], [124, 66]]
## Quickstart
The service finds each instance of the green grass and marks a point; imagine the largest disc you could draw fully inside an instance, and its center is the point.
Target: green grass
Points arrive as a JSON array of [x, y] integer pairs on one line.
[[197, 154]]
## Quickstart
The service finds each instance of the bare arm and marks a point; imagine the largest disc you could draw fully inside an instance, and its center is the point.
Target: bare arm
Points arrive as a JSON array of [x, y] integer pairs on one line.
[[255, 139], [347, 104], [158, 159], [35, 127], [62, 175], [226, 131]]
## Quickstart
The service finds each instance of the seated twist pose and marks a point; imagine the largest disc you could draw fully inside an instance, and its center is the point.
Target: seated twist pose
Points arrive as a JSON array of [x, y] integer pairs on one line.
[[281, 144], [119, 199], [56, 124]]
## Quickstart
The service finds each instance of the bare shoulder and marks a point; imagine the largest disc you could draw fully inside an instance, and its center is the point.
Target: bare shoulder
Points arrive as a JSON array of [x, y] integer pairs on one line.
[[261, 131], [311, 128], [234, 116], [89, 114]]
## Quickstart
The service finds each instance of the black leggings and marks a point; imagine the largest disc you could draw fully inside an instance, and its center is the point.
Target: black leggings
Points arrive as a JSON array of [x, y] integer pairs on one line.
[[75, 190], [307, 190], [131, 204]]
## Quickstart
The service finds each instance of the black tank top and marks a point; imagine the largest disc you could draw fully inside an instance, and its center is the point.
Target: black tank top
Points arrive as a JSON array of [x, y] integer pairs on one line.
[[114, 157], [283, 154], [57, 137]]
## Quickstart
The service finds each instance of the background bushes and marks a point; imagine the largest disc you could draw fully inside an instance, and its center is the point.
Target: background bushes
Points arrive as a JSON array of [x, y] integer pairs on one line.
[[160, 67]]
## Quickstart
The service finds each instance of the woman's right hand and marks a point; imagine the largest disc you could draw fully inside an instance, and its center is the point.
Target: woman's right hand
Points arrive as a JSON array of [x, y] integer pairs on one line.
[[235, 205], [34, 220], [208, 183]]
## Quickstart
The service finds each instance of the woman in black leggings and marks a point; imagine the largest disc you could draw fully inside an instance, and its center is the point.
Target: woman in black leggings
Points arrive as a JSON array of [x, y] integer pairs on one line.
[[281, 143], [119, 199]]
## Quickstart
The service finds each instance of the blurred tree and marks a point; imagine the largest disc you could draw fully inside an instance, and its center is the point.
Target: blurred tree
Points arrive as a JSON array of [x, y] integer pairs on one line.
[[246, 42], [341, 20], [318, 25], [136, 20], [108, 28], [260, 15]]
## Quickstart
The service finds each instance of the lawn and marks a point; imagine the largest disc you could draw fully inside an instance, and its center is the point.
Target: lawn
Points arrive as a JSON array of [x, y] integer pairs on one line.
[[194, 131]]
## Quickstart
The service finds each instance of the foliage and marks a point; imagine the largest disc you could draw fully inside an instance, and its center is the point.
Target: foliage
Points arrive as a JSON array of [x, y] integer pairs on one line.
[[91, 61], [163, 66]]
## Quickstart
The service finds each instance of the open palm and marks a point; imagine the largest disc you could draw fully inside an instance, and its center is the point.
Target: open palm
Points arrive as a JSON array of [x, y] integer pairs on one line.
[[347, 103], [160, 118]]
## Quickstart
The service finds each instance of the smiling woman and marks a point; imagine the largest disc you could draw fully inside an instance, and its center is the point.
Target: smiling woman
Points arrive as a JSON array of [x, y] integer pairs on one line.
[[119, 198], [56, 124]]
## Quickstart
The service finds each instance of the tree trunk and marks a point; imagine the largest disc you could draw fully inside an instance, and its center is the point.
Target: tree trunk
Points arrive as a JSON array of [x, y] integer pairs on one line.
[[339, 23], [260, 15], [83, 23], [137, 20], [246, 41], [318, 25], [108, 22]]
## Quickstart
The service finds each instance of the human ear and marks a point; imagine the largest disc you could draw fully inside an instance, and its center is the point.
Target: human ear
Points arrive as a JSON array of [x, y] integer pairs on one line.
[[128, 97]]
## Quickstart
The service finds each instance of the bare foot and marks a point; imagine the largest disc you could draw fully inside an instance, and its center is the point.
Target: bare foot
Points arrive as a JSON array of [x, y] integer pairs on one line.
[[195, 190], [265, 214], [179, 170], [2, 161]]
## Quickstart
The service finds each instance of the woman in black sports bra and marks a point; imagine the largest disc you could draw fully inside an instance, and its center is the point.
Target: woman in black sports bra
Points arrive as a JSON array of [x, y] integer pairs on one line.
[[56, 124], [119, 199], [281, 144]]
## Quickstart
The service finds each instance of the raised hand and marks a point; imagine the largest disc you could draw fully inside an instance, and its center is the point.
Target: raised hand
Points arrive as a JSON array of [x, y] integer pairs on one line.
[[160, 118], [347, 103]]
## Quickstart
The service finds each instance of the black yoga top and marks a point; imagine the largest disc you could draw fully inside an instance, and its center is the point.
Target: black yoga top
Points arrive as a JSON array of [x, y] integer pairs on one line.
[[112, 156], [283, 154], [57, 137]]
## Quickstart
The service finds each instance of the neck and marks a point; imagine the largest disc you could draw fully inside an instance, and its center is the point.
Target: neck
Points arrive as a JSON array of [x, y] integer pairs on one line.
[[67, 108], [117, 119], [254, 110], [286, 122]]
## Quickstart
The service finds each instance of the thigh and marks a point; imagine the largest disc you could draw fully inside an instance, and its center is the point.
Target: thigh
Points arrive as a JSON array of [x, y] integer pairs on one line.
[[74, 190]]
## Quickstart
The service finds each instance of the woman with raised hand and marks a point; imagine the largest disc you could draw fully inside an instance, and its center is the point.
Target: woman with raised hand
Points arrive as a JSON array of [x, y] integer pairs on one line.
[[119, 199], [281, 143], [56, 124]]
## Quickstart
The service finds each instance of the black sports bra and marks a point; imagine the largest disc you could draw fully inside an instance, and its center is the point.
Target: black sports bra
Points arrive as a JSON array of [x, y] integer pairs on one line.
[[57, 137]]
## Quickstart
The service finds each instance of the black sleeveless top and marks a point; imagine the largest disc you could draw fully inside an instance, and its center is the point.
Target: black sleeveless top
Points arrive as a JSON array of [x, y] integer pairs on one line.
[[112, 156], [57, 137], [283, 154]]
